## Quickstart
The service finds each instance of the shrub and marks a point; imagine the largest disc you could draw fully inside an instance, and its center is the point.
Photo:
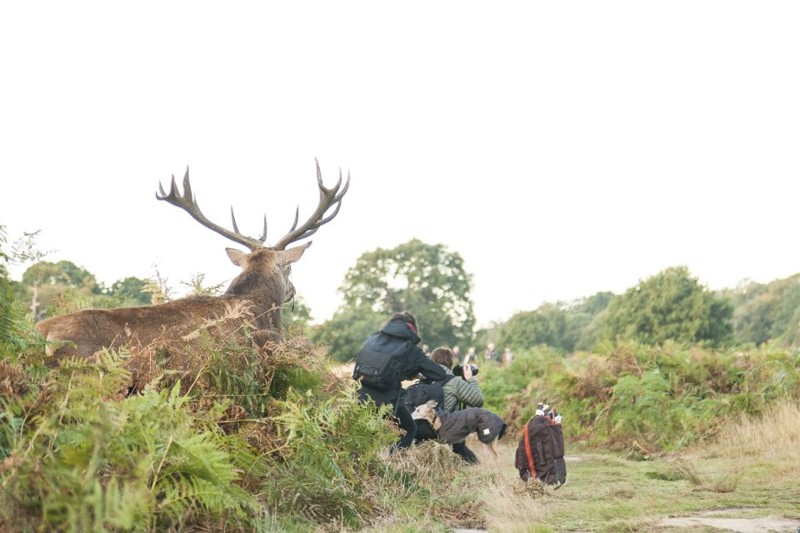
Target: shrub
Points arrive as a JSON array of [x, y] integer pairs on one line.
[[632, 395], [91, 459]]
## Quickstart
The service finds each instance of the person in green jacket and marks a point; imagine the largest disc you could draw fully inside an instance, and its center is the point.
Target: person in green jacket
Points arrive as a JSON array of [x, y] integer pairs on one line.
[[459, 392]]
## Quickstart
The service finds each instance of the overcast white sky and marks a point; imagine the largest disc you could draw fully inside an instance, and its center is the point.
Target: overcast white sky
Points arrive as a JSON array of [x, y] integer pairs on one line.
[[562, 148]]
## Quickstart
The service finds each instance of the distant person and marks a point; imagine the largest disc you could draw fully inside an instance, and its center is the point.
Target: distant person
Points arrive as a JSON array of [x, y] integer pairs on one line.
[[471, 357], [387, 358], [491, 353], [459, 392], [508, 356], [456, 354]]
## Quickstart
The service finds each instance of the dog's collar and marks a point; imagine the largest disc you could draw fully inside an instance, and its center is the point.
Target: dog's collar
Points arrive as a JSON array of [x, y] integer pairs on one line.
[[435, 418]]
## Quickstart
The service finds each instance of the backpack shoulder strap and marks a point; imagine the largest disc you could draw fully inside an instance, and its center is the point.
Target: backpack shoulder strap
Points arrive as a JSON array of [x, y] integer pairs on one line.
[[528, 453]]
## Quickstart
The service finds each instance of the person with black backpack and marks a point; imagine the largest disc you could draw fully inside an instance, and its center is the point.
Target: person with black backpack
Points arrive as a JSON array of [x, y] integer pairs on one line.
[[388, 357]]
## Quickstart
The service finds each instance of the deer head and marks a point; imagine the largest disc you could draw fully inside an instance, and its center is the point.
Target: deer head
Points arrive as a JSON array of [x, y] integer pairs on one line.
[[266, 270]]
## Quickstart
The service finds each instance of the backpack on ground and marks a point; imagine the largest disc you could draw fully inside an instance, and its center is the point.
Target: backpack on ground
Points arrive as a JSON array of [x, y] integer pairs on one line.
[[540, 453], [376, 370]]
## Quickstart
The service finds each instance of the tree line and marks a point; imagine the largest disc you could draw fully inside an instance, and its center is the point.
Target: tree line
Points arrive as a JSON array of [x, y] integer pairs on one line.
[[433, 282]]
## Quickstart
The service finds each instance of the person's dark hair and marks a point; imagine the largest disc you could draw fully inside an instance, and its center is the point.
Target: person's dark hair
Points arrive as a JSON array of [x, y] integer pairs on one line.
[[443, 356], [408, 318]]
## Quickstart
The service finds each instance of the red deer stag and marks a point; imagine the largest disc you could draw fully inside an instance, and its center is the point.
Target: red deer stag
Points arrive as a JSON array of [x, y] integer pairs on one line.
[[252, 302]]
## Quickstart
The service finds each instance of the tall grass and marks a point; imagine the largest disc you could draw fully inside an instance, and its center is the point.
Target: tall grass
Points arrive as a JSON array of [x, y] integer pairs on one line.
[[773, 436]]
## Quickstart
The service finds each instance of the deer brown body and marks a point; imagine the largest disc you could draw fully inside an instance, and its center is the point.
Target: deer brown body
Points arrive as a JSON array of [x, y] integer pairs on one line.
[[251, 304]]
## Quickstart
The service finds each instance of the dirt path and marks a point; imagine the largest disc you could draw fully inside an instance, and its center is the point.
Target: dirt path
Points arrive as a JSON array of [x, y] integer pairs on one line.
[[739, 525], [717, 520]]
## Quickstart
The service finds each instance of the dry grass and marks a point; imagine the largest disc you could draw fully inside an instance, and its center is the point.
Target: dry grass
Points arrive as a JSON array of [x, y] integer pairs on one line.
[[686, 470], [433, 460], [775, 437], [10, 379], [508, 504]]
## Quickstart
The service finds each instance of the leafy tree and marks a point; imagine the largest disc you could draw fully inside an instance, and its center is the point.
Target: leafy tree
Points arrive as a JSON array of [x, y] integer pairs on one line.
[[767, 312], [427, 280], [546, 325], [347, 330], [9, 314], [583, 320], [5, 256], [12, 320], [131, 291], [63, 273], [53, 288], [787, 326], [752, 308], [671, 305], [296, 315], [63, 283], [563, 326]]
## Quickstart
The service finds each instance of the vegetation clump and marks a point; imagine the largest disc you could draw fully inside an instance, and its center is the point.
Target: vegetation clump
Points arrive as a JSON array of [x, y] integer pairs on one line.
[[639, 397], [665, 411], [238, 439]]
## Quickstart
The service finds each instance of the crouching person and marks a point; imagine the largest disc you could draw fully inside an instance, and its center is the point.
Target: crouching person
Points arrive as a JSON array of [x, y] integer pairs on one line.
[[387, 358], [540, 452], [460, 392]]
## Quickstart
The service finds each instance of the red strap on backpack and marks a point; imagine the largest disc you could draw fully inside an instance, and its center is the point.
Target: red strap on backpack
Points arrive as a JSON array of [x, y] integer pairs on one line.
[[531, 465]]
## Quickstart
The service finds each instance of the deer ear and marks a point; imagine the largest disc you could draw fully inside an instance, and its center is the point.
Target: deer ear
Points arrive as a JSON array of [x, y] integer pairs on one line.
[[237, 257], [294, 254]]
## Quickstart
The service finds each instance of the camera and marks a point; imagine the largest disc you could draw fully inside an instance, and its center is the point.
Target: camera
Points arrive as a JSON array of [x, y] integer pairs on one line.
[[458, 370]]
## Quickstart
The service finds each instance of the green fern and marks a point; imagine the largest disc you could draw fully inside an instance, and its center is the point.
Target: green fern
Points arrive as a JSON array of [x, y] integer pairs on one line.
[[331, 449], [227, 437], [93, 460]]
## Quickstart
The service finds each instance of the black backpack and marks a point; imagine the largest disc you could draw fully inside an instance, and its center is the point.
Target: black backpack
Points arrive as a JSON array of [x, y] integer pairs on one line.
[[540, 452], [422, 391], [376, 370]]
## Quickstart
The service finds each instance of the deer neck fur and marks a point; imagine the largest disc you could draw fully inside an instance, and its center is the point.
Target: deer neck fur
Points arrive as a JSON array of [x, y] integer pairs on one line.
[[263, 282]]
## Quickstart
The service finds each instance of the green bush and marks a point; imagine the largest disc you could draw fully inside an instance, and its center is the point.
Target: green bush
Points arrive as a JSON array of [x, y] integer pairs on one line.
[[91, 460], [223, 437], [636, 396], [330, 451]]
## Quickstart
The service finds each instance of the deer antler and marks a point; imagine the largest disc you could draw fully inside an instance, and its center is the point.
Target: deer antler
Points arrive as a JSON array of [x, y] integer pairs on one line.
[[328, 198], [188, 203]]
